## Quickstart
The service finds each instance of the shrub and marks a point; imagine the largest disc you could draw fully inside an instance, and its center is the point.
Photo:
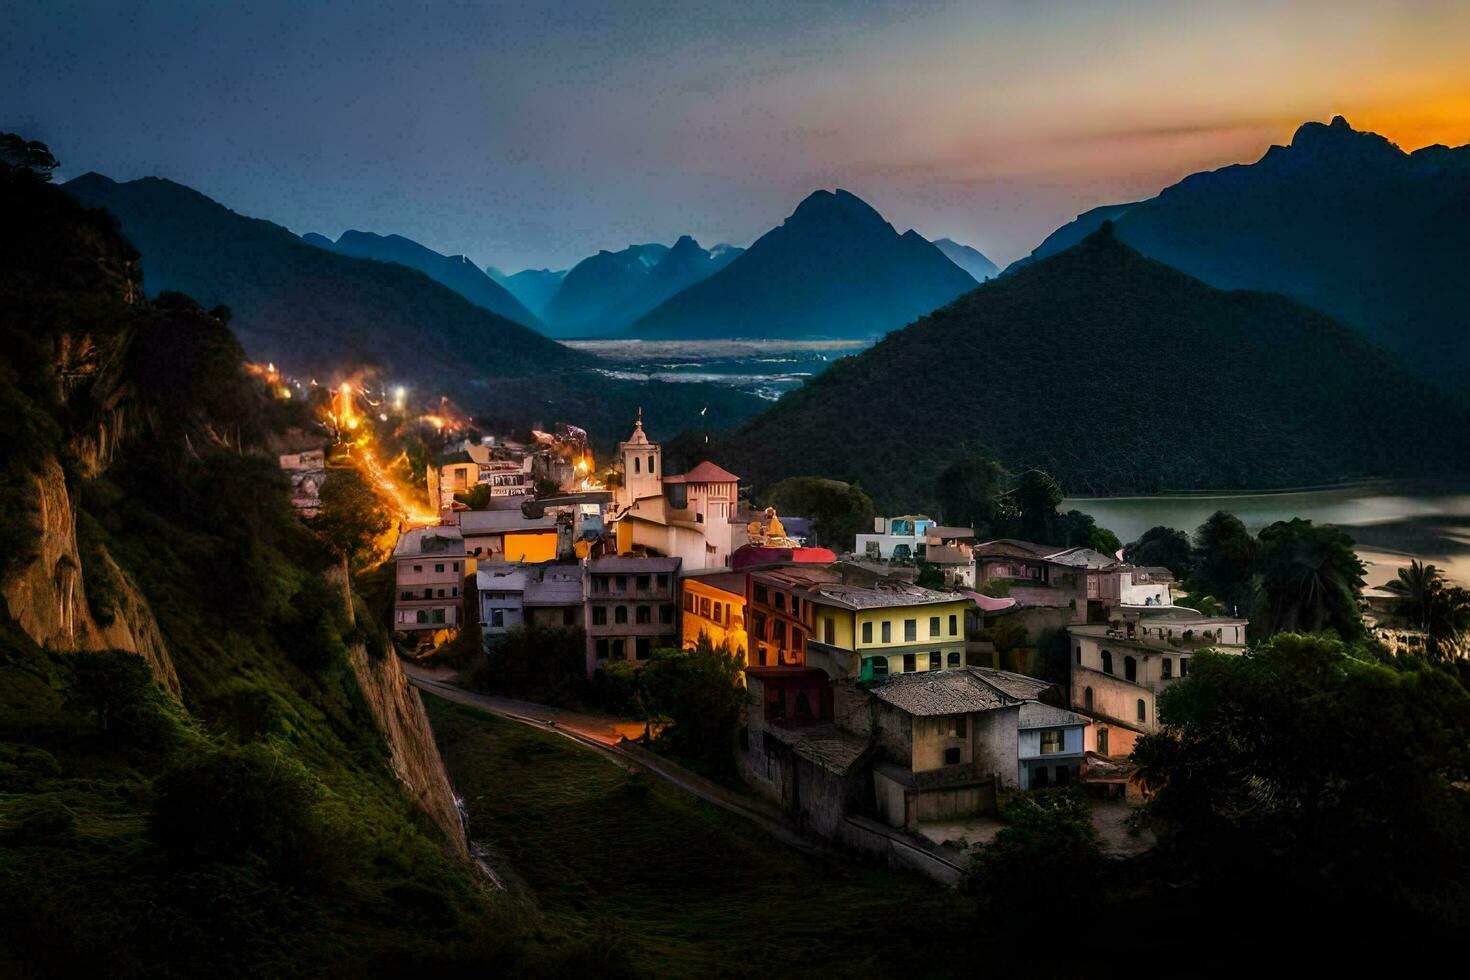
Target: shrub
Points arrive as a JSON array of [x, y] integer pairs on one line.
[[117, 688], [1049, 843], [39, 818]]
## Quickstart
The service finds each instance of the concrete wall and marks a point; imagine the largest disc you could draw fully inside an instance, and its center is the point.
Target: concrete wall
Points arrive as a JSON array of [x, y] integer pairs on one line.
[[995, 744], [1112, 696], [1029, 742]]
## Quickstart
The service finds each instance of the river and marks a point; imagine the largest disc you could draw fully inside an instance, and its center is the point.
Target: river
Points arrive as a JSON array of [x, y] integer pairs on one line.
[[1391, 522], [767, 368]]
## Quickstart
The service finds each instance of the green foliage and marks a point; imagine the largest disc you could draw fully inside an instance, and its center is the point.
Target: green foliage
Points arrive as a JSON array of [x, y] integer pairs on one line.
[[1036, 497], [1162, 547], [929, 577], [31, 158], [1311, 764], [838, 511], [353, 516], [1431, 605], [1078, 530], [477, 497], [1007, 633], [41, 818], [1048, 842], [969, 492], [1225, 558], [116, 687], [615, 688], [699, 694], [1310, 580], [547, 664], [311, 627]]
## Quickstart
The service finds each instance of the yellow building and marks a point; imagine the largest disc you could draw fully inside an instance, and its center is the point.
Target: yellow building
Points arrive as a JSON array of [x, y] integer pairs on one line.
[[888, 627], [714, 604]]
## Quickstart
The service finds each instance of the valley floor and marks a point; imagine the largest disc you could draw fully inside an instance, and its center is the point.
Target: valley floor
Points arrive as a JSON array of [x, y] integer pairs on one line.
[[676, 885]]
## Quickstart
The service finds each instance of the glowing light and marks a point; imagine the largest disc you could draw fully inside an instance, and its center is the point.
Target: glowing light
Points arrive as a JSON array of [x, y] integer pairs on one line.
[[400, 398]]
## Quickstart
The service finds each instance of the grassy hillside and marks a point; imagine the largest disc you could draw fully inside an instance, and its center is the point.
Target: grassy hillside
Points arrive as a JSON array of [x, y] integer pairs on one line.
[[1113, 373]]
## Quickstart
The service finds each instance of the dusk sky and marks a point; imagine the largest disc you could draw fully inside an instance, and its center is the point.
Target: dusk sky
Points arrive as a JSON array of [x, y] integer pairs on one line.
[[531, 134]]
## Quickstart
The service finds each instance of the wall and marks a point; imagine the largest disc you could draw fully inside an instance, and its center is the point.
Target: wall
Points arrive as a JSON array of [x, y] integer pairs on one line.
[[1112, 696], [532, 548], [1029, 742], [731, 626], [996, 744]]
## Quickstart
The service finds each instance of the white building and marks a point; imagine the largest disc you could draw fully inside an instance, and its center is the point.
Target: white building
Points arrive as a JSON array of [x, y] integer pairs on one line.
[[501, 587], [1146, 586], [894, 537]]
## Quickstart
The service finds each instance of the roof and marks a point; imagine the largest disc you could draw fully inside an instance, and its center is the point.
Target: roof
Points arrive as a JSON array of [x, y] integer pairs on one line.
[[501, 521], [941, 692], [825, 746], [1019, 686], [1083, 558], [1014, 546], [631, 564], [434, 540], [1157, 573], [883, 594], [448, 459], [705, 472], [553, 584], [1184, 614], [946, 555], [747, 556], [500, 577], [942, 532], [1034, 714], [989, 603], [731, 582]]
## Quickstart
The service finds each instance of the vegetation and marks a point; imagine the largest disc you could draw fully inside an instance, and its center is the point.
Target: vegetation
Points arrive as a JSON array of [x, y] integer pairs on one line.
[[1317, 766], [547, 664], [838, 510], [1310, 580], [353, 517], [698, 696], [1162, 547], [1048, 840], [1030, 331], [1429, 604]]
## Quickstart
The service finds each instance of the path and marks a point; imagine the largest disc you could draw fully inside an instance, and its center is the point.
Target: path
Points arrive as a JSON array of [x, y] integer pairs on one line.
[[614, 737]]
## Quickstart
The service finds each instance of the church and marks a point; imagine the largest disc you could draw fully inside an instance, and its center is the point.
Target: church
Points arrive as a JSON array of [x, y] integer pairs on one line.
[[687, 516]]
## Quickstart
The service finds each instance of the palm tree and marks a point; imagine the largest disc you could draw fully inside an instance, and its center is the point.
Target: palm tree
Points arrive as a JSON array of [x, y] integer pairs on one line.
[[1419, 588], [1310, 579]]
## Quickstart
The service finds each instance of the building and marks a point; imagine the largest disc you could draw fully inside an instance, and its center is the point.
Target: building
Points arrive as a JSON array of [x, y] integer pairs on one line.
[[429, 573], [501, 587], [308, 472], [956, 562], [686, 516], [1149, 586], [507, 535], [887, 627], [630, 608], [1023, 572], [1050, 746], [1103, 575], [714, 606], [901, 538], [1120, 667], [553, 595], [508, 473]]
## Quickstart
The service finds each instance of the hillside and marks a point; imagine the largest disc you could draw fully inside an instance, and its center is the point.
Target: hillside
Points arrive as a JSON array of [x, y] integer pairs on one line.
[[454, 271], [318, 312], [971, 259], [834, 268], [603, 294], [1113, 373], [533, 287], [1341, 220]]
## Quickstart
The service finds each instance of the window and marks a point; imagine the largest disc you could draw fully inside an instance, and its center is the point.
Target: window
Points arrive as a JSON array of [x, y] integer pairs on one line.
[[441, 593], [887, 631], [1142, 711], [936, 660], [497, 618], [867, 632], [663, 581], [423, 616], [622, 583], [879, 666], [910, 662], [1051, 740], [1183, 666], [1107, 661], [828, 630], [439, 567], [1087, 698], [952, 756], [779, 631], [643, 646], [405, 595], [599, 615], [796, 605], [568, 618], [650, 463], [1078, 656], [716, 616], [1130, 668], [643, 615], [780, 600], [704, 609], [760, 593], [954, 625], [418, 568], [665, 614], [599, 584], [798, 639], [1168, 668], [954, 658], [456, 566], [641, 582], [620, 614], [689, 602], [910, 630], [619, 650], [933, 625], [601, 649], [439, 618], [1102, 741], [637, 465]]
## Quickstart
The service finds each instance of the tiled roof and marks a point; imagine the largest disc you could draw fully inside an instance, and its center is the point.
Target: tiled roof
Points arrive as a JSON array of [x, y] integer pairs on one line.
[[632, 565], [1034, 714], [1083, 558], [946, 555], [554, 584], [1019, 686], [825, 746], [880, 595], [1001, 546], [941, 692], [705, 472], [435, 540]]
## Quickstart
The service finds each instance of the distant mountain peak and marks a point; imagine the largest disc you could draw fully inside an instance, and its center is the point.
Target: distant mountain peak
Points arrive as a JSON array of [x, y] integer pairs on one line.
[[824, 206], [1340, 139]]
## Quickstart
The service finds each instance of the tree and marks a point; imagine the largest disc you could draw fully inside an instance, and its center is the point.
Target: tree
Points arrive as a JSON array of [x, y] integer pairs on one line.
[[29, 157], [929, 577], [699, 693], [1310, 580], [1036, 498], [838, 511], [1440, 611], [1048, 838], [1252, 778], [477, 497], [969, 491], [352, 515], [1225, 558], [1078, 530], [1161, 547], [117, 688]]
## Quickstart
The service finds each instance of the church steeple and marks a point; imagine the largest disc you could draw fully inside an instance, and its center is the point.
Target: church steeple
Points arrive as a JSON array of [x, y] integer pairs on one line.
[[642, 466]]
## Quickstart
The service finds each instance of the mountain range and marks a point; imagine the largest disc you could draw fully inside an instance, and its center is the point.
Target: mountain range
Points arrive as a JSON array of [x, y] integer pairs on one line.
[[834, 268], [605, 293], [968, 258], [1114, 373], [1342, 220], [320, 312], [533, 287], [454, 271]]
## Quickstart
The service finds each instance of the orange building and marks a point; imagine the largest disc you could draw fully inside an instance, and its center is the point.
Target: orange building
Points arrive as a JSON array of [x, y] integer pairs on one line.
[[714, 604]]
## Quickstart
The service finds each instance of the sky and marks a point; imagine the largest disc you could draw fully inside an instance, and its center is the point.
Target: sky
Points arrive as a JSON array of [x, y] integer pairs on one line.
[[534, 133]]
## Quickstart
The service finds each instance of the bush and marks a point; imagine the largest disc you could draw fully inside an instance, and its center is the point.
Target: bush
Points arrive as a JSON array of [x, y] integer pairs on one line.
[[615, 688], [538, 663], [698, 693], [310, 630], [40, 818], [117, 688], [1049, 845]]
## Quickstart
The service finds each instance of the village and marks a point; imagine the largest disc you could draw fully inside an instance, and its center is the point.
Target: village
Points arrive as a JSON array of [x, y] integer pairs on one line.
[[885, 716]]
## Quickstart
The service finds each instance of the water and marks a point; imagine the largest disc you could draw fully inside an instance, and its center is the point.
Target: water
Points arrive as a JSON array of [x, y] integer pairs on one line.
[[1391, 522], [766, 368]]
